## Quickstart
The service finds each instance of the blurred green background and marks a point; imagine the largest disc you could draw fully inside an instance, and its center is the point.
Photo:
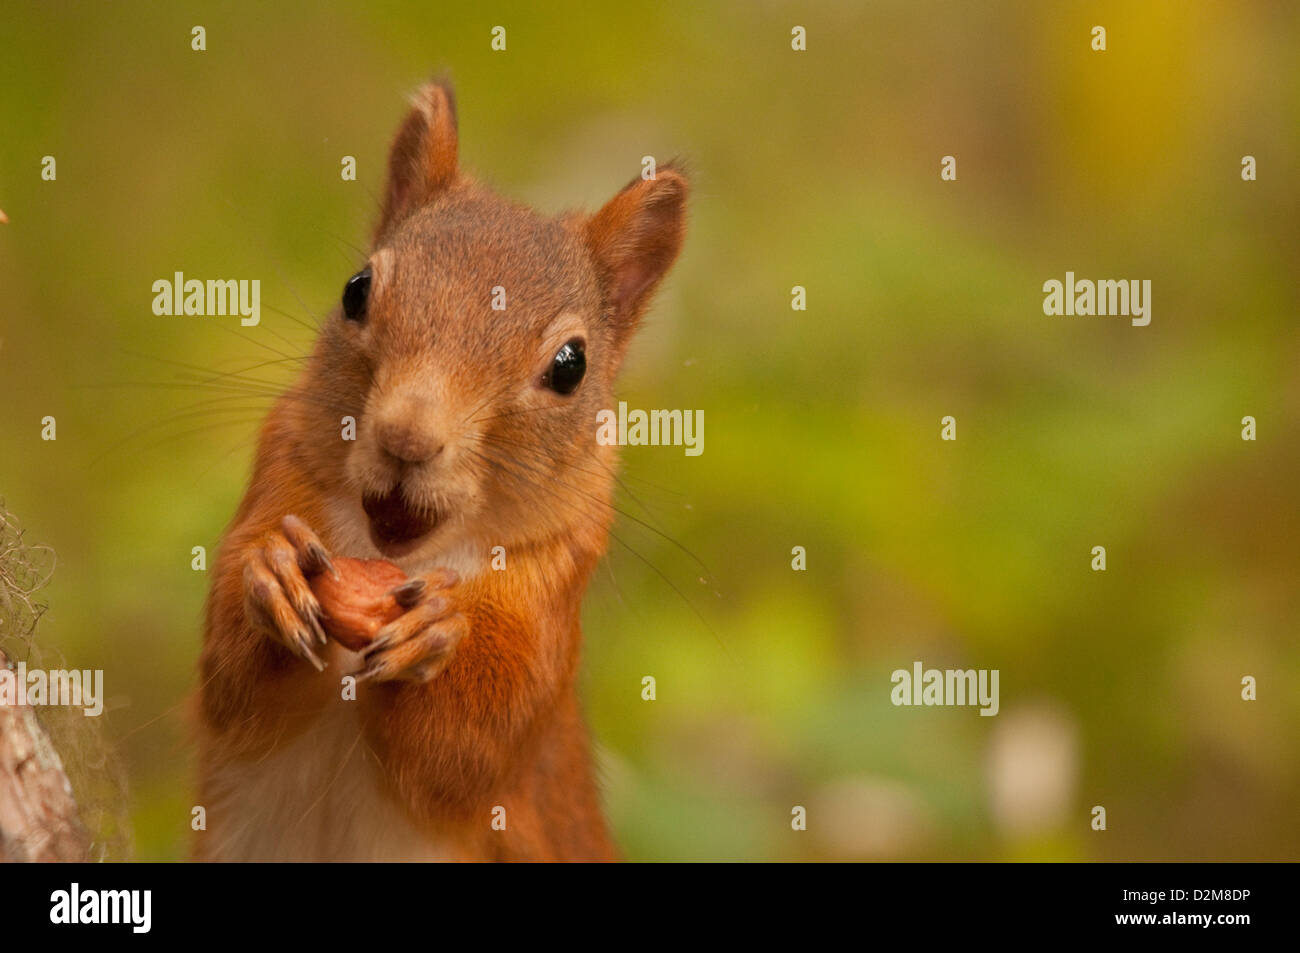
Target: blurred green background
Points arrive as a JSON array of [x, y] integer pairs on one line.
[[818, 168]]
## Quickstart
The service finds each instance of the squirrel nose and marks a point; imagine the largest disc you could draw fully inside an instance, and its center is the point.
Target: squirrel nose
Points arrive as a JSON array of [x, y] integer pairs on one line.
[[406, 441]]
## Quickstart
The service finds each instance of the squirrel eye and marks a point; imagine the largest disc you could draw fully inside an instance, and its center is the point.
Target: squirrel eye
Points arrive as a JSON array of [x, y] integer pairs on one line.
[[355, 293], [568, 367]]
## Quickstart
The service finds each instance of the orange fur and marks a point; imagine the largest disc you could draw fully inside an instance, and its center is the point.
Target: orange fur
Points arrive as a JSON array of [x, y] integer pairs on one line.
[[470, 703]]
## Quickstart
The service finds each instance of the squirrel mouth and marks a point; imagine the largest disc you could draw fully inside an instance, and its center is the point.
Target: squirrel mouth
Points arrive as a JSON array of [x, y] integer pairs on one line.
[[394, 524]]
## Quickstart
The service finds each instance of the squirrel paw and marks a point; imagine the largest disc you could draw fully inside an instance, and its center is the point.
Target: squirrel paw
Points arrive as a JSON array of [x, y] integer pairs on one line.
[[418, 644], [276, 595]]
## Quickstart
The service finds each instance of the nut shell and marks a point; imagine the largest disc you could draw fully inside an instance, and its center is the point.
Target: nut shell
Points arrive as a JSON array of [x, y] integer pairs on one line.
[[358, 603]]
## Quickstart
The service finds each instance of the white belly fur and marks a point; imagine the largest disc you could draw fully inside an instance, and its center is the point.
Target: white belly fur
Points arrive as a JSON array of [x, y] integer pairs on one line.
[[315, 798]]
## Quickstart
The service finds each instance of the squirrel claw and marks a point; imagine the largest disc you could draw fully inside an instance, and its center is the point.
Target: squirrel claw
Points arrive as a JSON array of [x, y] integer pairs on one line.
[[321, 559], [408, 593], [318, 626], [278, 601], [417, 645], [380, 642], [313, 557], [306, 651]]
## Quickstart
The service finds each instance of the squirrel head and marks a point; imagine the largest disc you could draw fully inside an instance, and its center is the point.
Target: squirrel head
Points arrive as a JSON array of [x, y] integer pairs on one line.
[[475, 348]]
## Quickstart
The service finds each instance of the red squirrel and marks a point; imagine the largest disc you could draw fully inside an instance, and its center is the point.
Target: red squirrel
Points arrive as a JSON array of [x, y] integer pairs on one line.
[[474, 429]]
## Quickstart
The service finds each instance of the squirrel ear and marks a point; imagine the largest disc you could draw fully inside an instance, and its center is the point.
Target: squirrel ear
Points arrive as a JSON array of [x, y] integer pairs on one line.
[[636, 237], [422, 160]]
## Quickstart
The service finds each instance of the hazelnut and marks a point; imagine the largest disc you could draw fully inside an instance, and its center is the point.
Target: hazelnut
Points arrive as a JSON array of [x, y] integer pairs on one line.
[[359, 602]]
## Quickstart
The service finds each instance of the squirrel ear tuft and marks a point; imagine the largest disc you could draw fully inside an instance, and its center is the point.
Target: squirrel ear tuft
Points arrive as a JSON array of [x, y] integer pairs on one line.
[[636, 237], [423, 158]]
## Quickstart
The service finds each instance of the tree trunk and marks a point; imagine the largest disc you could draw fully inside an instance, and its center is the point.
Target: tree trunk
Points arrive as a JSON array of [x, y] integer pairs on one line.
[[38, 815]]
